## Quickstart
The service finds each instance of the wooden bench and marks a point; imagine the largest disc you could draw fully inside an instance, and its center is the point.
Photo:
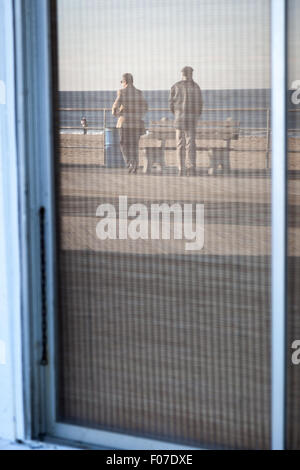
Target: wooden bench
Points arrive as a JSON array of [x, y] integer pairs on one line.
[[156, 142]]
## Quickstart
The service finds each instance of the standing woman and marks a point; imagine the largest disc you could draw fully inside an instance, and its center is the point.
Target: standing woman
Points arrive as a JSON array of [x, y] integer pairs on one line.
[[130, 107]]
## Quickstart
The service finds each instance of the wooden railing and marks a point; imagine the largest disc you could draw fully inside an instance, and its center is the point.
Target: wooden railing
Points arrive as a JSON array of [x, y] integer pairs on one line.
[[266, 130]]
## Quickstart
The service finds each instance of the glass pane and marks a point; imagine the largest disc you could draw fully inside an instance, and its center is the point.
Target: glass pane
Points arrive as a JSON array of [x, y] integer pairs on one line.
[[293, 342], [163, 321]]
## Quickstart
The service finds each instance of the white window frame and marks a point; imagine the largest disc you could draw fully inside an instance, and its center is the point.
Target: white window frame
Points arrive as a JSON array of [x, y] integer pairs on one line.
[[33, 65], [279, 221]]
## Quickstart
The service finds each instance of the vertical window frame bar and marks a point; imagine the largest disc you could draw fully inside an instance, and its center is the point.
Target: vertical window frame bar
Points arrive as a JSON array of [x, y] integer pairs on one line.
[[279, 221]]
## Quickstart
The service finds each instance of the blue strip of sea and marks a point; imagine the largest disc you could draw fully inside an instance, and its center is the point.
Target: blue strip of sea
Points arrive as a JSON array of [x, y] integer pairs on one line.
[[253, 122]]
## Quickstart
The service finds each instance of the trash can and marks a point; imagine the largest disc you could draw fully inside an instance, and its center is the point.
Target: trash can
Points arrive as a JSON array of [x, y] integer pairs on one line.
[[113, 155]]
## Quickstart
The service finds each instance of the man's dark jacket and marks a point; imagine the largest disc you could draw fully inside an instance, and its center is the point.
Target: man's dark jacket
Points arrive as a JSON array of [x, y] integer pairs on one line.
[[186, 104], [130, 106]]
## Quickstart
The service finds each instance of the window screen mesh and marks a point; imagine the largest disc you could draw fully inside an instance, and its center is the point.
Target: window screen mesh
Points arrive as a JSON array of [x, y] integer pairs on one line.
[[158, 336], [293, 300]]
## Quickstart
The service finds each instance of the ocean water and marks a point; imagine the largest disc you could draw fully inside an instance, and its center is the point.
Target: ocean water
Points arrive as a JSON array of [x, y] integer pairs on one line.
[[226, 103]]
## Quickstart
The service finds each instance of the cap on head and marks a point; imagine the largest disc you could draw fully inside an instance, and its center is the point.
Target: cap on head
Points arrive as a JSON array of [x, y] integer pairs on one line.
[[187, 71], [127, 77]]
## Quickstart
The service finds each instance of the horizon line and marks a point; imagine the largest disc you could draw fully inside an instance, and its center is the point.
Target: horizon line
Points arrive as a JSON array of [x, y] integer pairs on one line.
[[167, 89]]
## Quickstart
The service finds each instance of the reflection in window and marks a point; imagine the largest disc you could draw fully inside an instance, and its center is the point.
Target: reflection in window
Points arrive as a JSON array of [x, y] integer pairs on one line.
[[155, 339]]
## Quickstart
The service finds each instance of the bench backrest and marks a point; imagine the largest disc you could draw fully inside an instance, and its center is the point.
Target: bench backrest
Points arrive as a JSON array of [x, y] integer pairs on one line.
[[212, 130]]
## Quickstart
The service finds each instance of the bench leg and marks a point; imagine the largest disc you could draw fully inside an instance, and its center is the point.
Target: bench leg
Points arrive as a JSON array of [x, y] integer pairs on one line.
[[226, 160], [151, 156], [218, 157], [146, 161], [212, 159]]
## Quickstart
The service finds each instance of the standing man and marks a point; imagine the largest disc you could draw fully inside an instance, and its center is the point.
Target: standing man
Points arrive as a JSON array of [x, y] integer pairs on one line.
[[186, 104], [130, 107]]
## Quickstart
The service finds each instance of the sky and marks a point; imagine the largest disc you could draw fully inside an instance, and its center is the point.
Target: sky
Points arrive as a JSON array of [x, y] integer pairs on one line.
[[227, 42]]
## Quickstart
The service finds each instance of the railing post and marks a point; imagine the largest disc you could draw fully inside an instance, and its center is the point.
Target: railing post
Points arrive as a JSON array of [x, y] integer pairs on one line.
[[104, 127], [104, 118], [268, 139]]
